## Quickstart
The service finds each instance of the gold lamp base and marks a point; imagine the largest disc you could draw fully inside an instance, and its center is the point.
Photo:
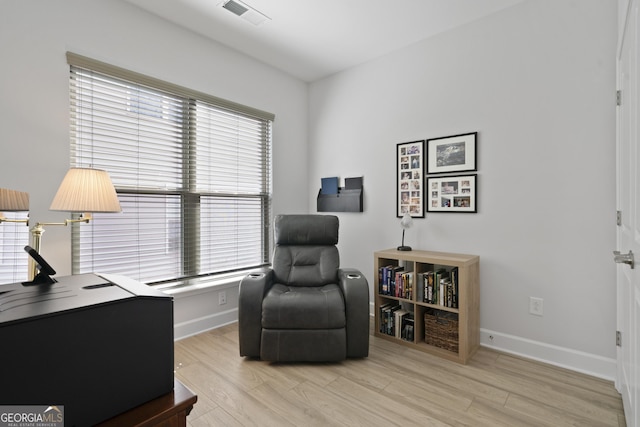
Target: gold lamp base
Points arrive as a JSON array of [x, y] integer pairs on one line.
[[36, 238]]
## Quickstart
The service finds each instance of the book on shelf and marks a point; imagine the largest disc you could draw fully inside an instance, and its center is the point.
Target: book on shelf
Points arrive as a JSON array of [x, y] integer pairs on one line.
[[454, 282], [384, 279], [407, 333], [383, 284], [445, 292], [437, 286], [387, 317], [387, 278], [404, 284], [445, 286], [384, 319], [428, 280], [393, 275], [400, 316], [398, 284]]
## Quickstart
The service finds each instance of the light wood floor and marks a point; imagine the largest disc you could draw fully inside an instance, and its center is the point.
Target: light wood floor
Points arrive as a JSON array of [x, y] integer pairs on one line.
[[394, 386]]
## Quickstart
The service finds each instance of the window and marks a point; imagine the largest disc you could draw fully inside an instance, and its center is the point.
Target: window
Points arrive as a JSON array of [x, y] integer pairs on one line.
[[192, 172], [13, 259]]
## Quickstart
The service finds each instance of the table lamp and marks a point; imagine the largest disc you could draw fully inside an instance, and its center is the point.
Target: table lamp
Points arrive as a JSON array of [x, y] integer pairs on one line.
[[13, 201], [406, 222], [83, 190]]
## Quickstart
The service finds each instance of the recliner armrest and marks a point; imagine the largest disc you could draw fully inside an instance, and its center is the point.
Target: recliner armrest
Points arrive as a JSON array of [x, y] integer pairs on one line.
[[355, 289], [253, 288]]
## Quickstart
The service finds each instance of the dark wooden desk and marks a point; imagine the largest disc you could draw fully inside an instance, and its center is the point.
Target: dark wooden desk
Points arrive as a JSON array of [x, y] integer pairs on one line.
[[170, 410]]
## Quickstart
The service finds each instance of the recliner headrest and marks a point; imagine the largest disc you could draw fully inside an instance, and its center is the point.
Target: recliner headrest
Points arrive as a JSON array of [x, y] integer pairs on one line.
[[306, 230]]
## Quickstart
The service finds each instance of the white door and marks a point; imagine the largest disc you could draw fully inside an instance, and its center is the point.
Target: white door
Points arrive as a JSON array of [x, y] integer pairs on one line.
[[628, 205]]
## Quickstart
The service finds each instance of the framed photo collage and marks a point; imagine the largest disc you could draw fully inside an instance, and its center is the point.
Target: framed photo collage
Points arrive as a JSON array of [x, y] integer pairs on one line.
[[448, 190]]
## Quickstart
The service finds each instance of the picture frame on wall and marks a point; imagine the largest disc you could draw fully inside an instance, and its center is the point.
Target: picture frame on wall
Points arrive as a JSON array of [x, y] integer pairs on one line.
[[455, 153], [410, 179], [452, 193]]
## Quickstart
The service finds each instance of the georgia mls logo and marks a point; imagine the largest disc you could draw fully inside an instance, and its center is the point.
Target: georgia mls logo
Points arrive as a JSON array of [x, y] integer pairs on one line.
[[32, 416]]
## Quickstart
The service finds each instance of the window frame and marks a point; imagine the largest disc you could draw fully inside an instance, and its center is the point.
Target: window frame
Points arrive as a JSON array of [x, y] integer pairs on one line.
[[190, 200]]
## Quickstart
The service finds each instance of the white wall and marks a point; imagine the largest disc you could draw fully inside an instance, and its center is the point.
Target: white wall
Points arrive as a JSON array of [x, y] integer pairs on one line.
[[34, 102], [537, 82]]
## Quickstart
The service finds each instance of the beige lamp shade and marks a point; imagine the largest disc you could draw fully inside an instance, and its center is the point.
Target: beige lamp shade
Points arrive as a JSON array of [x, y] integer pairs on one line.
[[13, 201], [86, 190]]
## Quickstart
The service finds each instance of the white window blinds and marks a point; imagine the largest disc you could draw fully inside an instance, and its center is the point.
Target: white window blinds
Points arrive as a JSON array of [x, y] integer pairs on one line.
[[13, 238], [192, 172]]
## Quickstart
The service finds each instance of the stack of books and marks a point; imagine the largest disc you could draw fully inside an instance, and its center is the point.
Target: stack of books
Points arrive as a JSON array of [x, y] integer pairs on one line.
[[396, 321], [439, 287], [396, 282]]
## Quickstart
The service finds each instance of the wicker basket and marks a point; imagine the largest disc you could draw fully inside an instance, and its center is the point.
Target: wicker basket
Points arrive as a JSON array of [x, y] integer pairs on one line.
[[441, 329]]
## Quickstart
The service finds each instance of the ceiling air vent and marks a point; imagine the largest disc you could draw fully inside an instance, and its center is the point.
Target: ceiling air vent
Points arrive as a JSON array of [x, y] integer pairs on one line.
[[245, 11]]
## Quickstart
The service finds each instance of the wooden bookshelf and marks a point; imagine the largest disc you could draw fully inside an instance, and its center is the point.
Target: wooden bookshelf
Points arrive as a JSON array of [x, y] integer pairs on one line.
[[466, 313]]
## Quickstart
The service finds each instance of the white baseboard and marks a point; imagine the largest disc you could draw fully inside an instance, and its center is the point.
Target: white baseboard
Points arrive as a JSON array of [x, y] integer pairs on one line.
[[586, 363], [203, 324]]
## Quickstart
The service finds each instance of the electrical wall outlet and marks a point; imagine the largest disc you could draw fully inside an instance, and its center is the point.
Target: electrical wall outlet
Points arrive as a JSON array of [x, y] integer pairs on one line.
[[222, 297], [535, 306]]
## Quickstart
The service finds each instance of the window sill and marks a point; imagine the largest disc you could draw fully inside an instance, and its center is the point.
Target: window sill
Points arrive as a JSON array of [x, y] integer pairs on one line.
[[203, 284]]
